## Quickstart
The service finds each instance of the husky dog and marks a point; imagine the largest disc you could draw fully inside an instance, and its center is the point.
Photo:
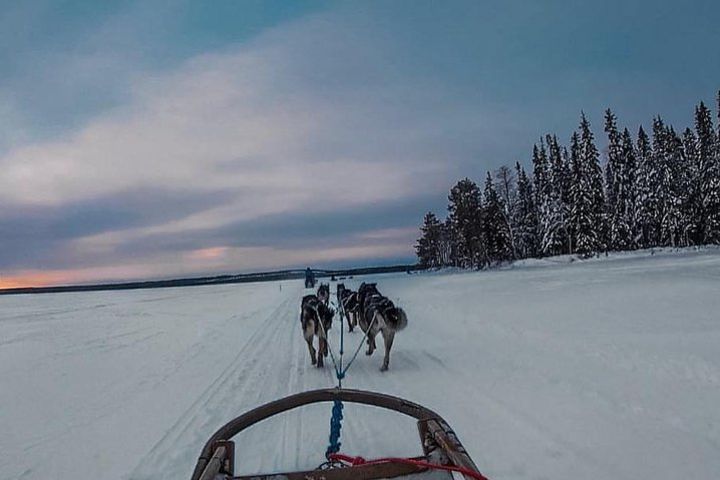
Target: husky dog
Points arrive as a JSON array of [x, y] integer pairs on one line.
[[316, 319], [377, 313], [366, 290], [349, 301], [323, 293]]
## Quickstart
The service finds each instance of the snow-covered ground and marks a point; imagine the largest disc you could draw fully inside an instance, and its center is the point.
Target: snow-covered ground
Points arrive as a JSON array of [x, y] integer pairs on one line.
[[589, 370]]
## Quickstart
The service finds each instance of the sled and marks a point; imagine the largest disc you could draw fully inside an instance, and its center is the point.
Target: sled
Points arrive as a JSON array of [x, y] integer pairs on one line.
[[444, 457]]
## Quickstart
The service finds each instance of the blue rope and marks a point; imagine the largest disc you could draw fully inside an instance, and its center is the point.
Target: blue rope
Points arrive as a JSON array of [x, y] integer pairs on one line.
[[357, 350], [337, 415], [335, 426]]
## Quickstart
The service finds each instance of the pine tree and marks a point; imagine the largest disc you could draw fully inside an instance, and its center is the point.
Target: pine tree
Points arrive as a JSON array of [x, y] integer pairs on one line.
[[548, 210], [525, 217], [541, 178], [554, 227], [626, 234], [709, 175], [616, 171], [560, 169], [590, 164], [668, 203], [507, 190], [495, 227], [449, 254], [613, 168], [677, 169], [465, 218], [429, 244], [692, 204], [647, 193], [582, 214]]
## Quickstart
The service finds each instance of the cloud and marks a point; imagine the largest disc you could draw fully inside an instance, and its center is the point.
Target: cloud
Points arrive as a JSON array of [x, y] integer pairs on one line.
[[326, 134], [306, 128], [256, 120]]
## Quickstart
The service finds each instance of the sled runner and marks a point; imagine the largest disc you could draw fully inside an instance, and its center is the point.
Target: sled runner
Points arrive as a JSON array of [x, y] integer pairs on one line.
[[444, 457]]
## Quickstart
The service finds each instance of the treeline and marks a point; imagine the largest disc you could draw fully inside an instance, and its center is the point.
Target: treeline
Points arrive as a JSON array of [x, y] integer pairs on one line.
[[660, 188]]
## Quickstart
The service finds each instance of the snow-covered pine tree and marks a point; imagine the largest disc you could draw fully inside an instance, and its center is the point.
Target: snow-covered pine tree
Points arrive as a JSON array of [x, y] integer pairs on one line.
[[613, 167], [560, 169], [525, 217], [555, 232], [428, 245], [709, 175], [445, 249], [465, 218], [541, 184], [495, 227], [647, 216], [692, 205], [668, 205], [547, 210], [449, 244], [628, 187], [677, 168], [590, 161], [541, 173], [617, 196], [582, 213], [507, 190]]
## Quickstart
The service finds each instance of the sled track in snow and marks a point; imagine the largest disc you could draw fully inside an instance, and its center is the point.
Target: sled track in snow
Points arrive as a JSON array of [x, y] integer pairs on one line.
[[248, 380], [272, 362]]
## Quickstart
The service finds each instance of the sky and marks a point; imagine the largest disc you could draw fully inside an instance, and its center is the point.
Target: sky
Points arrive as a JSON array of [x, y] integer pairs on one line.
[[157, 139]]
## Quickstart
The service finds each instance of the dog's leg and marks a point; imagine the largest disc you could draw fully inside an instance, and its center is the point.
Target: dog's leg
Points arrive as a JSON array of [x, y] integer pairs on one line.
[[348, 316], [362, 321], [371, 343], [322, 347], [311, 349], [388, 337], [308, 333]]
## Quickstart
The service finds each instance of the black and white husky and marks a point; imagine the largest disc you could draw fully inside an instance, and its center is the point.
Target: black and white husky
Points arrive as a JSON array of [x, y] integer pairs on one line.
[[378, 314], [349, 301], [323, 293], [316, 320]]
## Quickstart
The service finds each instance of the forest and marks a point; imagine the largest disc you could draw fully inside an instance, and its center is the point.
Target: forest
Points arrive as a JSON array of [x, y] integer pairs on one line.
[[657, 188]]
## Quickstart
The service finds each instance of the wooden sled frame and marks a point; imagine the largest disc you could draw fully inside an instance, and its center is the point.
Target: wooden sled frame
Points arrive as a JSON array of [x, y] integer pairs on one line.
[[439, 443]]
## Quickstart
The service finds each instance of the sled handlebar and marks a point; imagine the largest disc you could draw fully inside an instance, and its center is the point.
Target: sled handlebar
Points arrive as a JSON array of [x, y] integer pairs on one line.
[[238, 424]]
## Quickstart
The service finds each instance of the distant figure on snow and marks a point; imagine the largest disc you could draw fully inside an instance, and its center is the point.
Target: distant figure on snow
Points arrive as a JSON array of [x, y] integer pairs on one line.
[[309, 278]]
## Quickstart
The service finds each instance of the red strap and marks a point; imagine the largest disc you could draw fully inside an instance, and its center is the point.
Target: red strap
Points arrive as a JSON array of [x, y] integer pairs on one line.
[[409, 461]]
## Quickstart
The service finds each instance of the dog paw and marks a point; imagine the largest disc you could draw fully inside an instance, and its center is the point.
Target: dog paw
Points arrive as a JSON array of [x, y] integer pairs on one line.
[[384, 368]]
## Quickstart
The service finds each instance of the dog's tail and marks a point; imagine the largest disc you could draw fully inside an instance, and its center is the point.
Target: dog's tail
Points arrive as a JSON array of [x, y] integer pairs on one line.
[[396, 319]]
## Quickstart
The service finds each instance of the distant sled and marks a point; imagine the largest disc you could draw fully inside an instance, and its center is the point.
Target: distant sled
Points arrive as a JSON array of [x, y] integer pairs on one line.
[[444, 457]]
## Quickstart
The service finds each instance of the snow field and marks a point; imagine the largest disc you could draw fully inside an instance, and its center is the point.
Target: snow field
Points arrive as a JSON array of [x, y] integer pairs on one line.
[[546, 371]]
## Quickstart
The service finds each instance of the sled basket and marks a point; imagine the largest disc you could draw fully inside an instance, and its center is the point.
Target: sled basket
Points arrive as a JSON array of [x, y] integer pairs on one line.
[[442, 451]]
